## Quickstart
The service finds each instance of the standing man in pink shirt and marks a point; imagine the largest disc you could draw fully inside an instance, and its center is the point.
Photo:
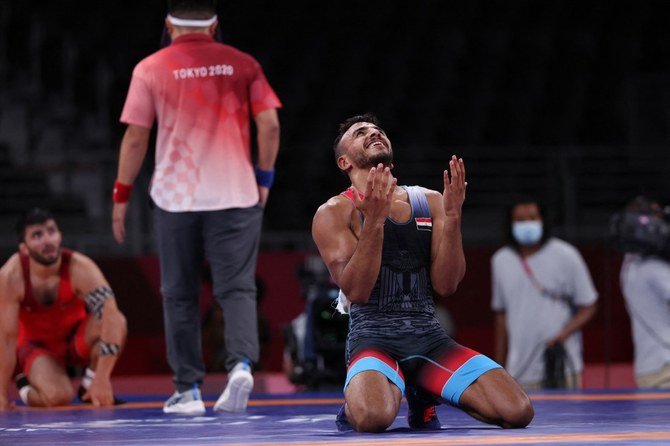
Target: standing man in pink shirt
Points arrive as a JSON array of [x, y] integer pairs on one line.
[[209, 197]]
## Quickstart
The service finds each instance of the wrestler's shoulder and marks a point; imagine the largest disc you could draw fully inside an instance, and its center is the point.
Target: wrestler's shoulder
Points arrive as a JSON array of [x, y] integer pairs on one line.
[[332, 216], [337, 205], [430, 193], [11, 268], [81, 262], [11, 275]]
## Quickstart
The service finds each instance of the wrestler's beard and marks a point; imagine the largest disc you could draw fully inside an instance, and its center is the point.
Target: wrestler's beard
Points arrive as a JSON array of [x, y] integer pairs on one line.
[[385, 158], [42, 260]]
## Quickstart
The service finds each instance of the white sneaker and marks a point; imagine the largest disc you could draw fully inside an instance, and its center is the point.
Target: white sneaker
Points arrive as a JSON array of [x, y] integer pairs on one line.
[[236, 395], [186, 403]]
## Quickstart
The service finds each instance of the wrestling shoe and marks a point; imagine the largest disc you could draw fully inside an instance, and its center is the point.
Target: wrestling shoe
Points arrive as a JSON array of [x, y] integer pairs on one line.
[[236, 395], [341, 421], [421, 413], [425, 419], [21, 381], [185, 403], [23, 385]]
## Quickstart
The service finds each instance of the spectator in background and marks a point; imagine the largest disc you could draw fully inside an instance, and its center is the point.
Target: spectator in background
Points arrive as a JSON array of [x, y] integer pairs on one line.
[[543, 295], [645, 284], [209, 199]]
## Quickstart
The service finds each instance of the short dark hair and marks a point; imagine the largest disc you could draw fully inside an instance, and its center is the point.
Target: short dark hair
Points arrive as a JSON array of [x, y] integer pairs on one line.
[[34, 216], [346, 125], [525, 199], [192, 9]]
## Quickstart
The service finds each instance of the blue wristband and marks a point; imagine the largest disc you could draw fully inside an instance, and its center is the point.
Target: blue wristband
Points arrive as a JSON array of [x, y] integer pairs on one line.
[[265, 178]]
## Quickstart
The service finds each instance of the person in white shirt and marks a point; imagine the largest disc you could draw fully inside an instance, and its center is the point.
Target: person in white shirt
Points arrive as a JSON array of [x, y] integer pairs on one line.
[[542, 294], [645, 284]]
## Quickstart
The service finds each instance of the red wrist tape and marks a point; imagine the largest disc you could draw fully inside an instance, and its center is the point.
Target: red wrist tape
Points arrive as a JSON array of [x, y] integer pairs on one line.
[[121, 192]]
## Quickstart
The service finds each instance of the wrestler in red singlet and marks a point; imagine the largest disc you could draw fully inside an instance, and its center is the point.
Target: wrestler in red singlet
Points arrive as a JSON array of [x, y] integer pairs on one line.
[[55, 329]]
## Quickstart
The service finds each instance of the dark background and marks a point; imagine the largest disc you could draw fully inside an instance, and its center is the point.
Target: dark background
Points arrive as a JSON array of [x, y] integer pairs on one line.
[[567, 100]]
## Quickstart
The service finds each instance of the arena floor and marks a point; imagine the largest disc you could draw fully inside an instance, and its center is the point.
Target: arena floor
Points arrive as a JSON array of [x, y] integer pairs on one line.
[[594, 417]]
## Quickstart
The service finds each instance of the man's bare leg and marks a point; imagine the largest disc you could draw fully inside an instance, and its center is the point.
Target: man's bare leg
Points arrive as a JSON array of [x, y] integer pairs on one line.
[[496, 398], [371, 402], [50, 385]]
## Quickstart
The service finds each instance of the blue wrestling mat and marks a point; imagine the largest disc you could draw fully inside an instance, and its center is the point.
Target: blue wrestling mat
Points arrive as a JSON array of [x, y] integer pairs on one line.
[[620, 417]]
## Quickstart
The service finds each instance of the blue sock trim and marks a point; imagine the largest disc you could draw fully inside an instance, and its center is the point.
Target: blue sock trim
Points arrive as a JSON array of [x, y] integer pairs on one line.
[[466, 375], [370, 363]]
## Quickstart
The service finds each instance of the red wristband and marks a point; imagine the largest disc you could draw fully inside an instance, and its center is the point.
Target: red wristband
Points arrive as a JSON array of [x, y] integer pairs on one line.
[[121, 192]]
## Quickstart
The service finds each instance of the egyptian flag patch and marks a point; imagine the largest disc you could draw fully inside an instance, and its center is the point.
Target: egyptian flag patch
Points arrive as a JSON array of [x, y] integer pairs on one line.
[[424, 223]]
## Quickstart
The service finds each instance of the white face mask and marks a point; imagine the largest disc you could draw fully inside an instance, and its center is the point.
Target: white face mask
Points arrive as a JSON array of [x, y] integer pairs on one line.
[[527, 232]]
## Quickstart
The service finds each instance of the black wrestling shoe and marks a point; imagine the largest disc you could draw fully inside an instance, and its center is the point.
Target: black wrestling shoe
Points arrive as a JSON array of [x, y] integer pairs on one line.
[[423, 419], [421, 413], [21, 381], [82, 391], [341, 421]]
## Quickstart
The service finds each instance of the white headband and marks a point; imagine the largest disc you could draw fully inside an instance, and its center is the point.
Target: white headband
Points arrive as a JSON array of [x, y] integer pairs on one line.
[[193, 23]]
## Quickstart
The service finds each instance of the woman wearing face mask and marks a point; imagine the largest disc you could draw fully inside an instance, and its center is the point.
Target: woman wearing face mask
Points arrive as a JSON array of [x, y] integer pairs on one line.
[[543, 295]]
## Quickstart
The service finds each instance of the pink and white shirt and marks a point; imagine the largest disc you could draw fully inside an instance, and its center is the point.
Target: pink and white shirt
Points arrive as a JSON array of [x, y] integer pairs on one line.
[[202, 93]]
